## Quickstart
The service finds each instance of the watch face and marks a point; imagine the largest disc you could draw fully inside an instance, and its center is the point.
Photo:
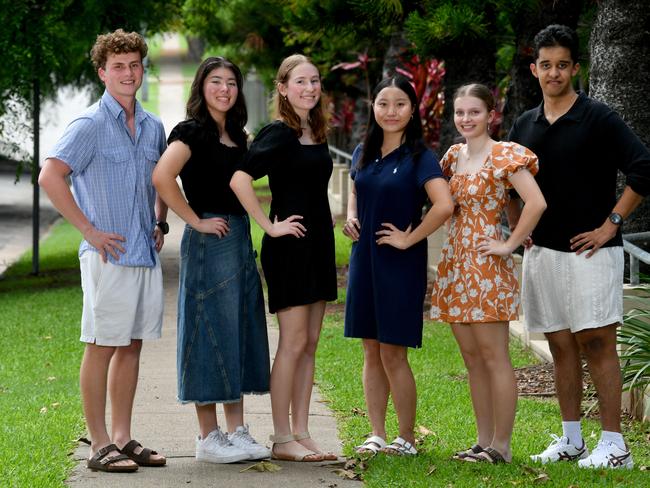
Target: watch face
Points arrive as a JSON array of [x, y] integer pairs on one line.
[[164, 226], [616, 219]]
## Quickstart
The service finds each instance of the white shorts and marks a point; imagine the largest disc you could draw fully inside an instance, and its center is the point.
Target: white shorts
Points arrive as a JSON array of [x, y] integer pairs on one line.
[[120, 303], [561, 290]]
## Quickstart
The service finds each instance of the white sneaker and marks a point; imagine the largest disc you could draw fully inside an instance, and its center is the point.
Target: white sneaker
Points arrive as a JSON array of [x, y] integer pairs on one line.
[[242, 439], [608, 455], [216, 448], [560, 449]]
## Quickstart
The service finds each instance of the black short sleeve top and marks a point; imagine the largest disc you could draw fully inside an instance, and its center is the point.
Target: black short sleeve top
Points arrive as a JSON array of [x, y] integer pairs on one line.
[[206, 175]]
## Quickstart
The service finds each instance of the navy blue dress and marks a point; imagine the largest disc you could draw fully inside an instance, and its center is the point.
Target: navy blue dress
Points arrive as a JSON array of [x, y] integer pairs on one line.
[[386, 286]]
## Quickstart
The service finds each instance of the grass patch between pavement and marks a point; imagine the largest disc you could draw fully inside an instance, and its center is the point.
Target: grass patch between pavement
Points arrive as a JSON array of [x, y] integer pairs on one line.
[[40, 405], [444, 411]]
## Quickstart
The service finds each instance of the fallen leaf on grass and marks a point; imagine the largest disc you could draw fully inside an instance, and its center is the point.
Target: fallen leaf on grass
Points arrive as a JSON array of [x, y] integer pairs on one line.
[[51, 378], [431, 470], [347, 474], [424, 431], [542, 478], [47, 338], [44, 410], [262, 467], [358, 411], [55, 405], [644, 468]]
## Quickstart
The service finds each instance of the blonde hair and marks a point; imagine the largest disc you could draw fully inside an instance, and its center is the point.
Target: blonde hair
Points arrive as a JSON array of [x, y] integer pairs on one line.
[[118, 42], [282, 109], [477, 90]]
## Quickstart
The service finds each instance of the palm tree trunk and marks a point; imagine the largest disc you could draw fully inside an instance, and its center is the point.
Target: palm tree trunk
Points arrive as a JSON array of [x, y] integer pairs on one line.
[[620, 63]]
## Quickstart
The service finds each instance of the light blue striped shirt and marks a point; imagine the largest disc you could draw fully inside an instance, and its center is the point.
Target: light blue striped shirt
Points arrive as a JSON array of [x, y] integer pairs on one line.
[[111, 175]]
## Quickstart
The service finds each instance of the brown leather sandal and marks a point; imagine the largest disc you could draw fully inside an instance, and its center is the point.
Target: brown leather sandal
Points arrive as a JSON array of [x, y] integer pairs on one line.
[[143, 458], [470, 452], [101, 461]]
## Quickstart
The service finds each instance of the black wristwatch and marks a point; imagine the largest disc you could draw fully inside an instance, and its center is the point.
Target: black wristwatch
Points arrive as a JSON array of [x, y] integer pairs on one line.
[[164, 227], [615, 218]]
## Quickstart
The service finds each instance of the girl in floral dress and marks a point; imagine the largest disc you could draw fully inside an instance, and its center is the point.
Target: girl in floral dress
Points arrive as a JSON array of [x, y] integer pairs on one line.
[[476, 290]]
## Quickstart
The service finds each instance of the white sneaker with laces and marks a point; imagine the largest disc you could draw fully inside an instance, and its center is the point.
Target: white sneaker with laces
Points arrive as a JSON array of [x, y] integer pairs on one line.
[[216, 448], [608, 455], [242, 439], [560, 449]]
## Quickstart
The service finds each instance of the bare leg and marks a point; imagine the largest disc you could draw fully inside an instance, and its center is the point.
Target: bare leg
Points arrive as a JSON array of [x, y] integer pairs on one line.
[[234, 413], [599, 347], [375, 387], [93, 379], [291, 348], [207, 417], [492, 340], [567, 372], [122, 383], [304, 380], [402, 387], [479, 382]]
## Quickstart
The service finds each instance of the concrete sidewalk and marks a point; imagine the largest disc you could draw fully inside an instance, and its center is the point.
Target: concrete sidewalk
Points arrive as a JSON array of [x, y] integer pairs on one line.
[[160, 422]]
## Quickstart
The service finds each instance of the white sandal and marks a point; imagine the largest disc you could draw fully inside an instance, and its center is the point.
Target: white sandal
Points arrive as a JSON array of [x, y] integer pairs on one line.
[[400, 447], [372, 444]]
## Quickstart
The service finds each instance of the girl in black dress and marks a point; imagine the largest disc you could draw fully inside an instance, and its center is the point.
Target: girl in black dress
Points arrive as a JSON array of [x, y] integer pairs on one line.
[[298, 247]]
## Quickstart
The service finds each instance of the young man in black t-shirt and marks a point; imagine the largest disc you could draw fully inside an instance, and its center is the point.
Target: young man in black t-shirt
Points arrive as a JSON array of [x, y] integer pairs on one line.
[[573, 272]]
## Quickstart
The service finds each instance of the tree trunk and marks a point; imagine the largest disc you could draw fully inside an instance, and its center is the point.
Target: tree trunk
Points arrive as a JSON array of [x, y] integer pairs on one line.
[[620, 63], [523, 90]]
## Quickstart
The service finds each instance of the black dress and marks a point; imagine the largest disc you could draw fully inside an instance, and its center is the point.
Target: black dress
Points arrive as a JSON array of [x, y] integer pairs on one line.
[[298, 271]]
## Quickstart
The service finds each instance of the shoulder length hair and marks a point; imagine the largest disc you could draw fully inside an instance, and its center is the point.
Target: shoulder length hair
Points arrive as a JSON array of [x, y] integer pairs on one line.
[[283, 110], [412, 137], [197, 107]]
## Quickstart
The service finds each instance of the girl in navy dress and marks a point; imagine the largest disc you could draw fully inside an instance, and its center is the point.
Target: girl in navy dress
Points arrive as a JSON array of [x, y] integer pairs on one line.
[[393, 175]]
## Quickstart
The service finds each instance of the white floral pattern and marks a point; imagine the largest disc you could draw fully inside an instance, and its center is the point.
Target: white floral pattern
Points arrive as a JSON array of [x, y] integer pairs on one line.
[[471, 288]]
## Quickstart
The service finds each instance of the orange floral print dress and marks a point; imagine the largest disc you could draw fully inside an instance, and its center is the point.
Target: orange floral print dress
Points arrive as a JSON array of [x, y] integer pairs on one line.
[[471, 288]]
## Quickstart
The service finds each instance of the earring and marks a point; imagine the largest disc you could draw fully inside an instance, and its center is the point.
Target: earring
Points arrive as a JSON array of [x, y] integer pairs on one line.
[[411, 116], [286, 99]]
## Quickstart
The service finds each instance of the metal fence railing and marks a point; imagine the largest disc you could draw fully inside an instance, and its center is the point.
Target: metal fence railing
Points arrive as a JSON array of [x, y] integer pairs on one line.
[[635, 253]]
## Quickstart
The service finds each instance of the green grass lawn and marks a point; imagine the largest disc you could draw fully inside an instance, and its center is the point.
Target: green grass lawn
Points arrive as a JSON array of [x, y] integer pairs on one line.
[[444, 412], [40, 408], [151, 105]]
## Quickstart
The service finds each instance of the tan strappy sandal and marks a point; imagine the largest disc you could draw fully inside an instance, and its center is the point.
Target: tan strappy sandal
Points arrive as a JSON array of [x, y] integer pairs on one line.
[[283, 439], [327, 456]]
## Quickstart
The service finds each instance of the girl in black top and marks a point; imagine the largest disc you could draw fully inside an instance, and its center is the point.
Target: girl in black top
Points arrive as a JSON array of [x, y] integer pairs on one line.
[[222, 338]]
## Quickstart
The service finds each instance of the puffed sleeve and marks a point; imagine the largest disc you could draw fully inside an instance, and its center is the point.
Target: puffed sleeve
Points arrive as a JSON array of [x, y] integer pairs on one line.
[[510, 157], [450, 157], [268, 148], [427, 168], [356, 157], [188, 132]]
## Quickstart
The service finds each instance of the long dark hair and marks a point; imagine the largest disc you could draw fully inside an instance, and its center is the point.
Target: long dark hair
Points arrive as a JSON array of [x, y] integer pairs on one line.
[[197, 107], [282, 108], [412, 133]]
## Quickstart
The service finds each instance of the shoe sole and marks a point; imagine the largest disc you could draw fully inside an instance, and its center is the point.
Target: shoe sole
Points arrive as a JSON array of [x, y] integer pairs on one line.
[[222, 459]]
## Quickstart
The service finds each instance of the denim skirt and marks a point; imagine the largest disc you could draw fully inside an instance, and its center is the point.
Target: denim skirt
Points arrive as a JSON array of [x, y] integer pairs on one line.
[[222, 344]]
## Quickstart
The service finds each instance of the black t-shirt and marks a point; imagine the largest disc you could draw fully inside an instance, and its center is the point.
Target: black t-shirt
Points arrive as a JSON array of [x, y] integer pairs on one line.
[[579, 157], [206, 175]]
